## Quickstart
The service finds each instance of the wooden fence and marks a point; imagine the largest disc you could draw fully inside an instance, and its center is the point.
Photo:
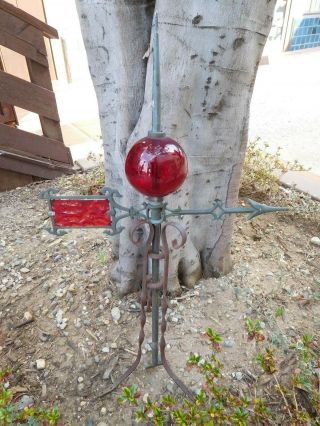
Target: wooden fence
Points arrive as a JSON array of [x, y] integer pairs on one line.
[[23, 152]]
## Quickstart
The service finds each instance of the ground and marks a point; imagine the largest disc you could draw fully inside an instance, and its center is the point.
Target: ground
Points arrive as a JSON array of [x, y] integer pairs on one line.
[[62, 285]]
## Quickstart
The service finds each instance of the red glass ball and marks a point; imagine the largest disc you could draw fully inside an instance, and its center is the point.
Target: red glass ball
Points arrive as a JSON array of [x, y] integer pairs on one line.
[[156, 166]]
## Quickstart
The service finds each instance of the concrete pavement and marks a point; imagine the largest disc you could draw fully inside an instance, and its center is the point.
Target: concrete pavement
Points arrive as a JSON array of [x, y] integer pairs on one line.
[[285, 108]]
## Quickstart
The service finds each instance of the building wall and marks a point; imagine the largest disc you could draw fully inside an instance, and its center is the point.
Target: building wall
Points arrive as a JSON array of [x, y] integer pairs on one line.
[[69, 51], [287, 14]]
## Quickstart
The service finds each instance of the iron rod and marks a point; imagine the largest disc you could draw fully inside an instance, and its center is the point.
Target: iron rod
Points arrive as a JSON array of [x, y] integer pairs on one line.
[[155, 215], [156, 98]]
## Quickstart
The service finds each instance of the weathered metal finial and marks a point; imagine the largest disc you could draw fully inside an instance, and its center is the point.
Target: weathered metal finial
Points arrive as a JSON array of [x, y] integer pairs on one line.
[[156, 87]]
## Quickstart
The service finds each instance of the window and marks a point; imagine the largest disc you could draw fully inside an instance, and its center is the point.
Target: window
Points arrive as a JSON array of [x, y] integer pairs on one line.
[[306, 31]]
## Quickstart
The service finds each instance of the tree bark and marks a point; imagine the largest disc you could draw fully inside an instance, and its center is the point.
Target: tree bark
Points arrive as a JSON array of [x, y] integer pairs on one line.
[[209, 54]]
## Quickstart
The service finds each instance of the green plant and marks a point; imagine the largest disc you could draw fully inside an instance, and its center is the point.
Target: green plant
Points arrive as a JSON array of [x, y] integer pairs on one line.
[[306, 378], [215, 404], [279, 312], [11, 414], [254, 330], [267, 361], [129, 394], [103, 256], [214, 338], [261, 169], [307, 375], [260, 180]]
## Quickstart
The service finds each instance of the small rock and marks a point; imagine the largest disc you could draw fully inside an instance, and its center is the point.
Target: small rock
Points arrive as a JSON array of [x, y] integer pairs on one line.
[[103, 411], [113, 345], [115, 313], [41, 364], [229, 343], [105, 349], [134, 306], [108, 294], [77, 322], [61, 322], [147, 347], [43, 390], [80, 387], [80, 379], [28, 316], [25, 401], [315, 241], [24, 270], [237, 375], [61, 292]]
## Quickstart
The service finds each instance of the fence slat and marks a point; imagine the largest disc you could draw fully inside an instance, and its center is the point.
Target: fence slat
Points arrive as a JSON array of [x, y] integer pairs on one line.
[[23, 31], [41, 146], [23, 47], [29, 96], [40, 75], [46, 29], [29, 168]]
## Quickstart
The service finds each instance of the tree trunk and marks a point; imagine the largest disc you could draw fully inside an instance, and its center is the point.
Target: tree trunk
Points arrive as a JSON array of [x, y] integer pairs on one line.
[[209, 54]]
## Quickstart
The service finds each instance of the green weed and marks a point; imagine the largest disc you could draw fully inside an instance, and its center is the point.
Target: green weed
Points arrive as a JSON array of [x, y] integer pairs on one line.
[[11, 414]]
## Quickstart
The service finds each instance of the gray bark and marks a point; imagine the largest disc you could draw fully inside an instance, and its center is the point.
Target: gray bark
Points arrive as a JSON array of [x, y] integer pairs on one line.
[[210, 51]]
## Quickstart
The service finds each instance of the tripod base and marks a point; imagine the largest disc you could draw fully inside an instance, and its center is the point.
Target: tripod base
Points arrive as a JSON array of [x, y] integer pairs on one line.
[[150, 295]]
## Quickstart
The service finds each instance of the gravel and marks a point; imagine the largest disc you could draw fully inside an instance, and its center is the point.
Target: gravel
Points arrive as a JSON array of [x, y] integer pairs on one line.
[[315, 241], [116, 314], [41, 364]]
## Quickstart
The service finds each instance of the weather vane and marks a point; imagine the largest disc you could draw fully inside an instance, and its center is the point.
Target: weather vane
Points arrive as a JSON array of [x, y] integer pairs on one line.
[[155, 166]]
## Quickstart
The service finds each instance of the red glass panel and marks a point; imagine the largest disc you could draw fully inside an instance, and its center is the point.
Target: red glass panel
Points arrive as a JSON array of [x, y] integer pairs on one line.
[[81, 213], [156, 166]]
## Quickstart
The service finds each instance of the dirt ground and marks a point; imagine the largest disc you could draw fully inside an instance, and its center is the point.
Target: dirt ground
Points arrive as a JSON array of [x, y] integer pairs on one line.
[[64, 284]]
